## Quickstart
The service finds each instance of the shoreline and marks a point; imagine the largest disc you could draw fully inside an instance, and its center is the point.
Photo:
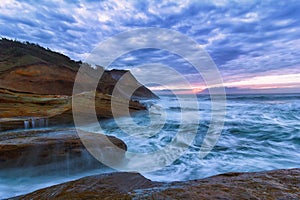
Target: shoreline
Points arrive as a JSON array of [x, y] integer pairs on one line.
[[274, 184], [140, 187]]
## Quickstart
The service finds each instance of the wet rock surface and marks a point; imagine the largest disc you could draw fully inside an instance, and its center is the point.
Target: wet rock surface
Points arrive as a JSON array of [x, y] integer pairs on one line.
[[61, 150], [277, 184]]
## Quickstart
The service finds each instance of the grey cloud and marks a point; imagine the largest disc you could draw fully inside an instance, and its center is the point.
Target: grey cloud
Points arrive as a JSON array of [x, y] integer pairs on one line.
[[244, 38]]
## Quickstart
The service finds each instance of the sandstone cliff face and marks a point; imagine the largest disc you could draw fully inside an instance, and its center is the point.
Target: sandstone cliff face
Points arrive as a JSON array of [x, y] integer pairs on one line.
[[45, 79], [39, 78], [29, 68], [23, 110], [278, 184], [36, 87]]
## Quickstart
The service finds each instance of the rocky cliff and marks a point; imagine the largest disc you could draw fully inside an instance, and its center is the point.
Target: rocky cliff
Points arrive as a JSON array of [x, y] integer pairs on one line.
[[29, 68], [36, 84]]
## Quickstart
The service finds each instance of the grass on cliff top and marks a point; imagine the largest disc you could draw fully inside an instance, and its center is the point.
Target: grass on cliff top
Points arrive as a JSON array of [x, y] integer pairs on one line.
[[14, 53]]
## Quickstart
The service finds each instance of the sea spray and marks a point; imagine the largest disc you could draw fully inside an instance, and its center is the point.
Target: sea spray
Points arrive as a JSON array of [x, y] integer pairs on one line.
[[26, 124], [36, 123], [32, 123]]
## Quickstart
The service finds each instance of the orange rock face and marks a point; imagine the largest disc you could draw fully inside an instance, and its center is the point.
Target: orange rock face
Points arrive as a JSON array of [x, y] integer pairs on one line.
[[39, 79], [45, 79], [17, 108], [41, 91], [36, 87]]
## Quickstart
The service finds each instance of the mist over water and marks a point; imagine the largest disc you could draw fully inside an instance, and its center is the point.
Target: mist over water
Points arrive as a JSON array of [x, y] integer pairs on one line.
[[261, 132]]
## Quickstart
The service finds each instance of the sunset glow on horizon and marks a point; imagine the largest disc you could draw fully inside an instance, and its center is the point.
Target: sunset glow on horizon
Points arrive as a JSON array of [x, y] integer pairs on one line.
[[267, 81], [257, 83]]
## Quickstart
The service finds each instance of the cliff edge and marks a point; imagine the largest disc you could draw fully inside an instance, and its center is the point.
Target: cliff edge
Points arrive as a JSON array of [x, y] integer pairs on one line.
[[36, 86]]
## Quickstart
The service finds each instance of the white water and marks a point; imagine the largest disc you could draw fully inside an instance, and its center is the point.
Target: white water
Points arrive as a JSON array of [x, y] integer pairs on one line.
[[36, 123], [260, 133]]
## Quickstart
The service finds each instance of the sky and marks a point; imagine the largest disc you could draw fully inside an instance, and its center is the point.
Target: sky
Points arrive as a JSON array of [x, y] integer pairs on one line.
[[254, 44]]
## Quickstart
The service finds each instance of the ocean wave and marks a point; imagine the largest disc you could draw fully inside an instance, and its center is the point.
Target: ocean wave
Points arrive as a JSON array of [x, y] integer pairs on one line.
[[268, 97]]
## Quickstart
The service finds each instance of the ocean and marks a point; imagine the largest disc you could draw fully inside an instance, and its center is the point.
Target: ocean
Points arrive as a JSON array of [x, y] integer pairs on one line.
[[261, 132]]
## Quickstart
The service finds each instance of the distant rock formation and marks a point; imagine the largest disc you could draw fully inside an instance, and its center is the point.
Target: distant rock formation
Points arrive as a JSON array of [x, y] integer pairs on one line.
[[37, 84], [109, 79], [278, 184]]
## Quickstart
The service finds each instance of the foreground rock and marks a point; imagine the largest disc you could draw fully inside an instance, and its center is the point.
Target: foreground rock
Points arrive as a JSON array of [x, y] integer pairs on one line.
[[57, 151], [278, 184]]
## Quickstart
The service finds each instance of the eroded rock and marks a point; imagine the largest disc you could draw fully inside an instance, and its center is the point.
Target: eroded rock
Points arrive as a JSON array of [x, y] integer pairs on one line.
[[22, 110], [278, 184], [36, 84], [61, 149]]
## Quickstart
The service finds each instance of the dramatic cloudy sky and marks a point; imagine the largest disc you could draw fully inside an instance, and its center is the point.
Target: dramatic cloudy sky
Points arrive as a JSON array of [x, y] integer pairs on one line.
[[255, 44]]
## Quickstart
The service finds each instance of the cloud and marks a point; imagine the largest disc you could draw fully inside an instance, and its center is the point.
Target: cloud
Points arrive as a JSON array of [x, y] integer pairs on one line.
[[244, 38]]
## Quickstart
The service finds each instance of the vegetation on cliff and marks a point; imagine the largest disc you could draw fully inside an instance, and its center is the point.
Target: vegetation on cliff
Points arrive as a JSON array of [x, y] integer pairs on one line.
[[15, 53]]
